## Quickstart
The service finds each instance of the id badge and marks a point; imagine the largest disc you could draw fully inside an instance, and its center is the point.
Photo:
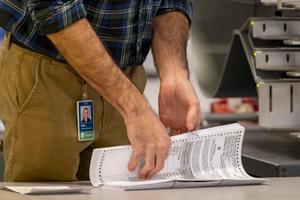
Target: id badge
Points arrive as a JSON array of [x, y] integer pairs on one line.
[[85, 120]]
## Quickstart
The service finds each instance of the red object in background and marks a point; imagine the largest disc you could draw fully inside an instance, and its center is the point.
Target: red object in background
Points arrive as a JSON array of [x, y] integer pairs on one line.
[[247, 105], [220, 106], [251, 101]]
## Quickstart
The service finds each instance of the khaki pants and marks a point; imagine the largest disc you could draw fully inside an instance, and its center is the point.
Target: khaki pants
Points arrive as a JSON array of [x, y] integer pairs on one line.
[[38, 98]]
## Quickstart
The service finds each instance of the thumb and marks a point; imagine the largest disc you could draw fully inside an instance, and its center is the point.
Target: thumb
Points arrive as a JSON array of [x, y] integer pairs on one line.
[[192, 116]]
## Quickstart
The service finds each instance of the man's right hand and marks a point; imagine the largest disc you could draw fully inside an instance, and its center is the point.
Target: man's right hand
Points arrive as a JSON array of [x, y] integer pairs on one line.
[[150, 141]]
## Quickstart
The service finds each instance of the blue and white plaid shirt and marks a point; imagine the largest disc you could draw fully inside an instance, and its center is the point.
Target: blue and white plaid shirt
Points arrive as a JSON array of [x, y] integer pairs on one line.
[[124, 26]]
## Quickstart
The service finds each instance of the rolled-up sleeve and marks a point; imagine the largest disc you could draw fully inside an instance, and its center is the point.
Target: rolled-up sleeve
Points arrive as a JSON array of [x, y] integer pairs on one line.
[[184, 6], [53, 16]]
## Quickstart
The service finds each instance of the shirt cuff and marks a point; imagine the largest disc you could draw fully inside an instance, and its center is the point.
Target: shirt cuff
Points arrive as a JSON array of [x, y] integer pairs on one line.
[[183, 6], [53, 16]]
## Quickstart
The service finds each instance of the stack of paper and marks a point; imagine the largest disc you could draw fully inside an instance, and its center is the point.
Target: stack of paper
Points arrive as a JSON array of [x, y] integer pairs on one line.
[[46, 189]]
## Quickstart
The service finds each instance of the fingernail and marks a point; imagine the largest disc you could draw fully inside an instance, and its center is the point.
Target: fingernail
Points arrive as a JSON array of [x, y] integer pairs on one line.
[[190, 126], [130, 168]]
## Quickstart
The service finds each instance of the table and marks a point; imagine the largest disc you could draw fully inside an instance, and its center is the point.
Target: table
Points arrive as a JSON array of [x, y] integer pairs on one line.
[[276, 189]]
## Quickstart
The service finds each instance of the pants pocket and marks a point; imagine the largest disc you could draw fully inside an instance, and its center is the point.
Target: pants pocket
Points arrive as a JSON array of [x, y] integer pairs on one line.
[[27, 81]]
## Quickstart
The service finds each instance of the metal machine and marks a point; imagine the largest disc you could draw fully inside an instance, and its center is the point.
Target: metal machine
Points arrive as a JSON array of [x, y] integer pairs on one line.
[[252, 48]]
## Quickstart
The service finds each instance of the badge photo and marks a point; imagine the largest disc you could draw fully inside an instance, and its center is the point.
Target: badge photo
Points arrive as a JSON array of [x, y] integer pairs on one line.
[[85, 120]]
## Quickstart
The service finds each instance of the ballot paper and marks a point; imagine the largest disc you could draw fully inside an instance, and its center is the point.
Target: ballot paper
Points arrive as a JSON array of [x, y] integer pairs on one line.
[[208, 157], [46, 189]]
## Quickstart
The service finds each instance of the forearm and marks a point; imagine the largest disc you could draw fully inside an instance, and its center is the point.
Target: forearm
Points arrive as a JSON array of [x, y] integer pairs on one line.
[[170, 35], [81, 47]]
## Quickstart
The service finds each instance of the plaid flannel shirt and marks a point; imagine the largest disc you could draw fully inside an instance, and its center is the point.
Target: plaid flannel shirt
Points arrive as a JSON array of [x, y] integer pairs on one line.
[[124, 26]]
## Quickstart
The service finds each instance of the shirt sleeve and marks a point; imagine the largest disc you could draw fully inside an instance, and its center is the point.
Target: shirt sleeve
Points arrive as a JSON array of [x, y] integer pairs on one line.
[[184, 6], [53, 16]]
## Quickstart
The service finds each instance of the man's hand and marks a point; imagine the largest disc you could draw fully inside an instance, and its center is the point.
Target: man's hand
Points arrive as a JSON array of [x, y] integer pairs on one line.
[[149, 141], [179, 108]]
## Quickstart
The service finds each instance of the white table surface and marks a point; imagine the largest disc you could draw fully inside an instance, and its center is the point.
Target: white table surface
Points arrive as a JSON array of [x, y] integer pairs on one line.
[[276, 189]]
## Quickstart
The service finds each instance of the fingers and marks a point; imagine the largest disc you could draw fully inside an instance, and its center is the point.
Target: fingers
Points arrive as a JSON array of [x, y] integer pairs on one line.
[[154, 158], [159, 165], [175, 132], [161, 155], [135, 158], [149, 158], [193, 116]]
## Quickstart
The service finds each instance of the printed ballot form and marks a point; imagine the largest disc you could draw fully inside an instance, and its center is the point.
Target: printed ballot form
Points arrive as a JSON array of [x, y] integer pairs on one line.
[[208, 157]]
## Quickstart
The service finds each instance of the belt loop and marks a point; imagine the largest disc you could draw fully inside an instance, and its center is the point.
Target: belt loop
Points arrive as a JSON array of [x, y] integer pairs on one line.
[[7, 40]]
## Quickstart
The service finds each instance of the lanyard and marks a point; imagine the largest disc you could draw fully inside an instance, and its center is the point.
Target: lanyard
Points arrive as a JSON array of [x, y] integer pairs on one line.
[[85, 95]]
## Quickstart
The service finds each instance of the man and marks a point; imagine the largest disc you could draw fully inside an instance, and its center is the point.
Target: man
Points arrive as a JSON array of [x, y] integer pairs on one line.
[[85, 116], [55, 47]]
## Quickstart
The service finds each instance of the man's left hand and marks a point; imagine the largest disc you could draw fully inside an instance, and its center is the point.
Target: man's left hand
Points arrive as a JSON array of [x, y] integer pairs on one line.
[[179, 107]]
